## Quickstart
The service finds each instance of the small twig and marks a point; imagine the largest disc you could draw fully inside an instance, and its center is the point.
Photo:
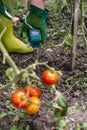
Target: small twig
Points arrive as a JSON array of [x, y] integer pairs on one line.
[[4, 59], [64, 62], [33, 75], [57, 107]]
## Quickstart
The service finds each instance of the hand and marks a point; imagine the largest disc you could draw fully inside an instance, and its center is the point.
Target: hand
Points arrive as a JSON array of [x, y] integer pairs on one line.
[[15, 19], [37, 19]]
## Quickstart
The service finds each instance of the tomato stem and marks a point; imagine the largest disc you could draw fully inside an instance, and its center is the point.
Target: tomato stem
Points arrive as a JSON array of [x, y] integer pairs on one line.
[[5, 53]]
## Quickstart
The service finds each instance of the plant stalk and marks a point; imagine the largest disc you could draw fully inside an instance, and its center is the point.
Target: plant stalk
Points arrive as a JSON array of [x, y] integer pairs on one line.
[[75, 32], [5, 53]]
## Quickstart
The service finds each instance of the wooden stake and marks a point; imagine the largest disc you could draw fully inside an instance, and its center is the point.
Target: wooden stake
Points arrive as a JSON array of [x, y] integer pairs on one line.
[[75, 32]]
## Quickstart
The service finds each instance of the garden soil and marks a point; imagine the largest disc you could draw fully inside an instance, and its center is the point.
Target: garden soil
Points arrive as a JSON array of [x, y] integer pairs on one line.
[[69, 84]]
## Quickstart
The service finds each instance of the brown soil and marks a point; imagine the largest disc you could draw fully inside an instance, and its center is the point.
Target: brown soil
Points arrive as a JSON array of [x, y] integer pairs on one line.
[[43, 120], [75, 93]]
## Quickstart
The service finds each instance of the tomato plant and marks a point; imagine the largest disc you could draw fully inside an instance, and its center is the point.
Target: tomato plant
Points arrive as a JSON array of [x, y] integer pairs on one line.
[[19, 98], [50, 77], [33, 106], [33, 91]]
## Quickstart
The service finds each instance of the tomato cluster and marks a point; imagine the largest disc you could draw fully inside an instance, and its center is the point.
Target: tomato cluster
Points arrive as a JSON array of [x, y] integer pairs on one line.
[[29, 97]]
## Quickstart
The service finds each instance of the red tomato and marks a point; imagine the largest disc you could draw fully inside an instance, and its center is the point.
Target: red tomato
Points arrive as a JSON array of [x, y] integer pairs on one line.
[[33, 91], [33, 106], [50, 77], [19, 98]]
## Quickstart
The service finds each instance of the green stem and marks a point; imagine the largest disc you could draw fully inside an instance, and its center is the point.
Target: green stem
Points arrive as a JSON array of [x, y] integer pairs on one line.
[[15, 80], [5, 53], [20, 74]]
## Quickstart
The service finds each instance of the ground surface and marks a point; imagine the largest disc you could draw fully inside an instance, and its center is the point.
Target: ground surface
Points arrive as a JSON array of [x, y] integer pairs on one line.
[[43, 120]]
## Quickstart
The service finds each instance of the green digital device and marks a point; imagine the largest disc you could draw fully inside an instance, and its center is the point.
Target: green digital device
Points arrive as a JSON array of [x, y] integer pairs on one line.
[[35, 37]]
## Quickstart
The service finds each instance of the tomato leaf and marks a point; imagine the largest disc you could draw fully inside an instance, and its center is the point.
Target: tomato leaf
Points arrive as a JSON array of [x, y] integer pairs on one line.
[[13, 128], [3, 114], [10, 73], [62, 105], [27, 127], [69, 39]]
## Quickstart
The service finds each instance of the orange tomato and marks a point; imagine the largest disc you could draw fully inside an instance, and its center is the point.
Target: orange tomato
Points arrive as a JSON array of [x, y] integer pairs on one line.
[[50, 77], [33, 106], [19, 98], [33, 91], [34, 100]]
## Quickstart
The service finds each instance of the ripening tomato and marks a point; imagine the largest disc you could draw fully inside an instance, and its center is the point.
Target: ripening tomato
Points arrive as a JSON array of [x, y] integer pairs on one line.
[[33, 106], [33, 91], [34, 100], [50, 77], [19, 98]]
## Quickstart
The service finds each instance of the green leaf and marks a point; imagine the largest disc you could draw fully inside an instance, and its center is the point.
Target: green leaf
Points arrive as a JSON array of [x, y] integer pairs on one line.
[[11, 113], [62, 31], [11, 4], [85, 125], [63, 122], [10, 73], [61, 103], [25, 34], [27, 127], [3, 114], [13, 128], [69, 39]]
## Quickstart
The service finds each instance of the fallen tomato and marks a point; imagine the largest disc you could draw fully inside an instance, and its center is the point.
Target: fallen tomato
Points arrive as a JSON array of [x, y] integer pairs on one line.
[[19, 98], [50, 77], [33, 91]]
